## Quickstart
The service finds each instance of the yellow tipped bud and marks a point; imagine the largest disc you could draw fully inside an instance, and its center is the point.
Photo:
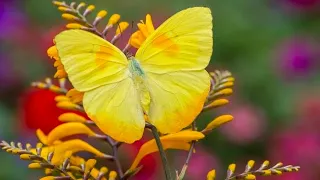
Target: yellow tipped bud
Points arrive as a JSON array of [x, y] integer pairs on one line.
[[82, 4], [74, 26], [48, 171], [69, 17], [104, 170], [288, 169], [296, 168], [279, 164], [15, 151], [250, 177], [54, 88], [90, 8], [218, 122], [40, 85], [64, 9], [112, 175], [53, 52], [218, 103], [102, 14], [211, 175], [74, 168], [114, 19], [60, 67], [225, 92], [39, 145], [25, 156], [122, 27], [61, 98], [232, 168], [267, 172], [231, 79], [34, 165], [277, 172], [89, 165], [75, 96], [8, 150], [227, 84], [71, 117], [67, 105], [58, 3], [57, 63], [28, 146], [61, 73], [265, 163], [250, 165]]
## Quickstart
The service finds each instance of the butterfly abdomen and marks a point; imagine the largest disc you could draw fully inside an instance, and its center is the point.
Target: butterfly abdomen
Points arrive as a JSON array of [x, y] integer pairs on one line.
[[138, 77]]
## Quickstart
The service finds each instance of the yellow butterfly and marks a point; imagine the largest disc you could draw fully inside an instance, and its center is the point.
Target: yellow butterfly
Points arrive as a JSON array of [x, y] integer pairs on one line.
[[166, 80]]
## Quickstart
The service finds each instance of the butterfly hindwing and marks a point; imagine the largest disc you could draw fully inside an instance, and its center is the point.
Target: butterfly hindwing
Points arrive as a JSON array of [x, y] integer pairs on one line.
[[117, 111], [176, 98]]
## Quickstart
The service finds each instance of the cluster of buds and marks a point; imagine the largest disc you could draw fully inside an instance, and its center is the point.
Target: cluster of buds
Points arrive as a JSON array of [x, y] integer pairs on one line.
[[68, 167], [250, 174]]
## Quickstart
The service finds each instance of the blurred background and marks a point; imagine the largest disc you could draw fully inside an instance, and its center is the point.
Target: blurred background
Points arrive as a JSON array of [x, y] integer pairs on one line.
[[272, 47]]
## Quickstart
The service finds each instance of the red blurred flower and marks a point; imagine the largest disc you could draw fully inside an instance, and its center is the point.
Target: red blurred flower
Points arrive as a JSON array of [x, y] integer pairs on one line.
[[38, 110], [151, 163]]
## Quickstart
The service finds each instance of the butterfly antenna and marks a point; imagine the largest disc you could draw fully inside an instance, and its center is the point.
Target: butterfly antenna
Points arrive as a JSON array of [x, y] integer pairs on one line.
[[132, 24]]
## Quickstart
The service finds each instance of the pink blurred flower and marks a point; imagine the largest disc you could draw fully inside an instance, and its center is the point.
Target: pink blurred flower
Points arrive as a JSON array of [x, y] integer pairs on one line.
[[247, 126], [308, 109], [296, 57], [301, 4], [201, 162], [297, 147]]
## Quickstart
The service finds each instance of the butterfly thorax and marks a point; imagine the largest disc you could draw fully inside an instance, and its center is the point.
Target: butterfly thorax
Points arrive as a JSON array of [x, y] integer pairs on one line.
[[135, 68], [138, 77]]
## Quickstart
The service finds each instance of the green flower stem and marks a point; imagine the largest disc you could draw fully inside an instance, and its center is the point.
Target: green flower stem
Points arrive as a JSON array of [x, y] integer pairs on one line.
[[164, 159]]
